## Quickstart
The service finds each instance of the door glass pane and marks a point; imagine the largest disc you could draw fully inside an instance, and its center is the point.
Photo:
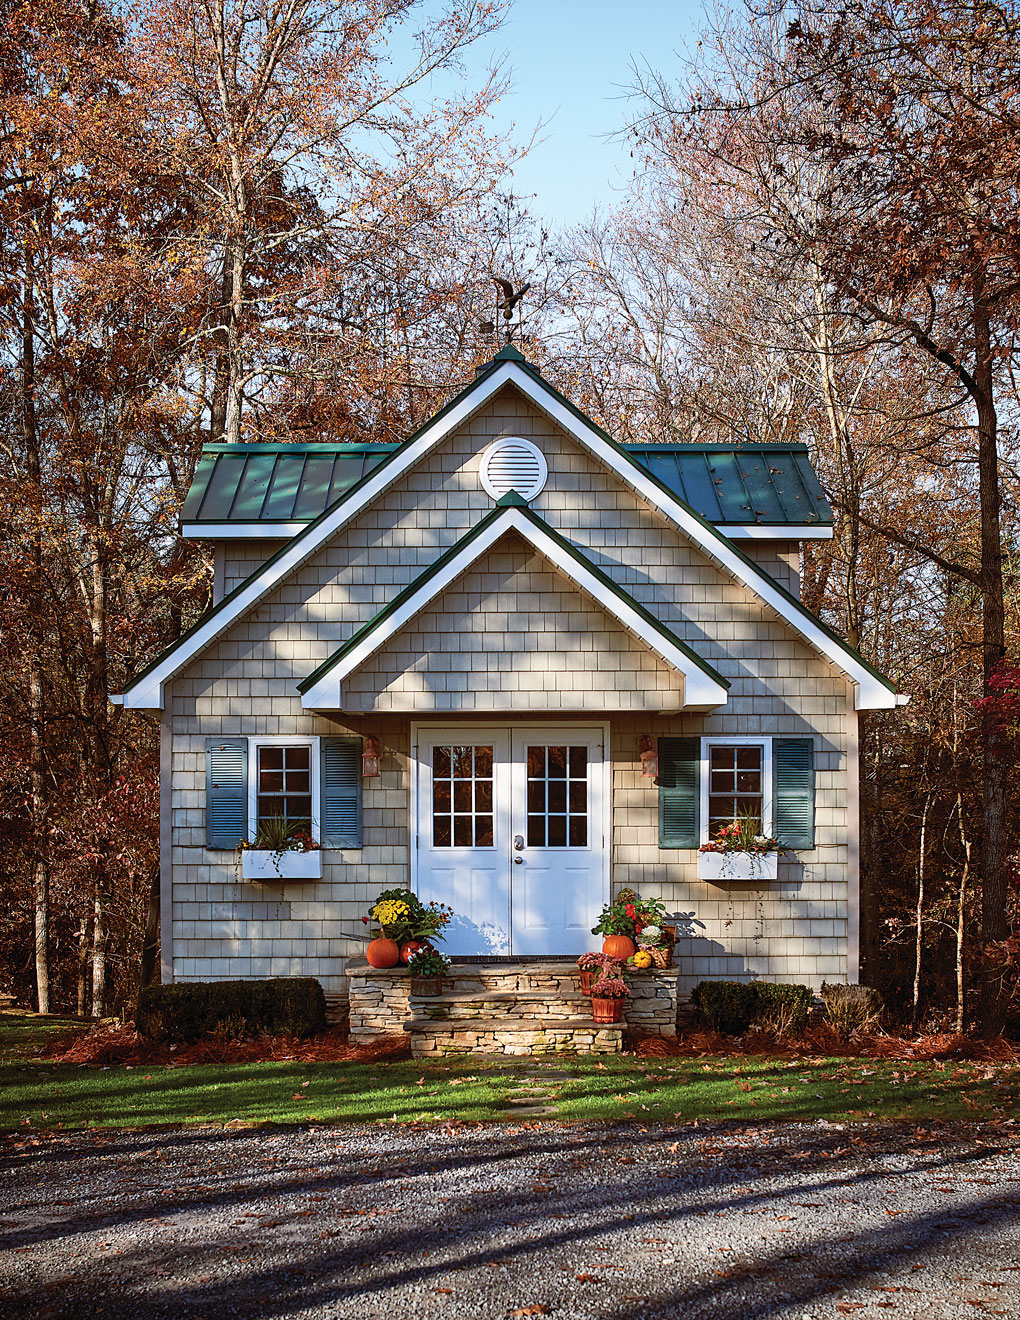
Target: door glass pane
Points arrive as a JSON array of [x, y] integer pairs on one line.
[[462, 797], [557, 797]]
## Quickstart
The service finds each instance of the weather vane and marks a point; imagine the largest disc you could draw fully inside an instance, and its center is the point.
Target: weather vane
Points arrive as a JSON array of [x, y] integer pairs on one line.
[[505, 303]]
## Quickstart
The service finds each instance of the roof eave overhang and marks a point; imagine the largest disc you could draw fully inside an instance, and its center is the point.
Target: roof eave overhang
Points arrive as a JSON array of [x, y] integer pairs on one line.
[[283, 531]]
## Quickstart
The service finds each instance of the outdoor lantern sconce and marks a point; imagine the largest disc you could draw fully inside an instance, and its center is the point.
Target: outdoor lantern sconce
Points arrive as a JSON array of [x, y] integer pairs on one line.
[[649, 759], [370, 759]]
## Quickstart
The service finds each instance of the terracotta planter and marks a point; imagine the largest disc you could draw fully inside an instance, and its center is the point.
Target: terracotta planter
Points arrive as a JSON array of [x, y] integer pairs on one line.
[[588, 979], [619, 947], [426, 985], [383, 953], [607, 1010]]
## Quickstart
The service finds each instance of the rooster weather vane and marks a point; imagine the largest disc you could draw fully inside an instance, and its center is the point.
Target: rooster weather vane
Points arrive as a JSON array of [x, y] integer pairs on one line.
[[505, 303]]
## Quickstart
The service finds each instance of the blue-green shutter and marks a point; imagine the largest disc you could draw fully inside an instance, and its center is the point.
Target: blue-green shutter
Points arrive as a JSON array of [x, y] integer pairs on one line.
[[226, 792], [340, 793], [793, 792], [679, 792]]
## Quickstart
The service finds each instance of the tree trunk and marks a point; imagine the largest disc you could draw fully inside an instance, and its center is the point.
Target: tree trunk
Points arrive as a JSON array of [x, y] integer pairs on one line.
[[961, 895], [995, 985], [150, 945], [98, 956], [83, 966], [919, 917], [37, 713]]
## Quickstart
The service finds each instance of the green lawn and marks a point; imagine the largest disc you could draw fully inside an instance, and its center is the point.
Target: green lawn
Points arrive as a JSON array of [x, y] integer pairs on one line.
[[40, 1095]]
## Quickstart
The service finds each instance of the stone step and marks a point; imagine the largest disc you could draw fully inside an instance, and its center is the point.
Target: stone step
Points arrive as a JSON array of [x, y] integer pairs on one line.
[[510, 1024], [429, 1038], [496, 996]]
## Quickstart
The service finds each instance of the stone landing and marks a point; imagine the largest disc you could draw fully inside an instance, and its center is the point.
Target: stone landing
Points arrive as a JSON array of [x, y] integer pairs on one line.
[[504, 1008]]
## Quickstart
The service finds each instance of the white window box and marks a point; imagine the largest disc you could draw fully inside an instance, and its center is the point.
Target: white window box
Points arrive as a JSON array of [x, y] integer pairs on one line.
[[738, 866], [271, 867]]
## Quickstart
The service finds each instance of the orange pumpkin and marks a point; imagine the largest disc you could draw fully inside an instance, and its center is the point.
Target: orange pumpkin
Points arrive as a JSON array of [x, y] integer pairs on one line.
[[619, 947], [383, 953]]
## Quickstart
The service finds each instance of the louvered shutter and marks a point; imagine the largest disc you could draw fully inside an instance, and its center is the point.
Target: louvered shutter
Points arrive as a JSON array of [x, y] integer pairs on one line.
[[340, 793], [679, 792], [793, 792], [226, 792]]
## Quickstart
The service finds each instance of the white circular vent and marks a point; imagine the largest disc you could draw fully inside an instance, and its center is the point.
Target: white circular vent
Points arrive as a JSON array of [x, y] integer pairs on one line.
[[514, 464]]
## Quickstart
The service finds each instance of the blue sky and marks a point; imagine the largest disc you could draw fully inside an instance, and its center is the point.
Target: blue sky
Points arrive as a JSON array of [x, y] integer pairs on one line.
[[571, 63]]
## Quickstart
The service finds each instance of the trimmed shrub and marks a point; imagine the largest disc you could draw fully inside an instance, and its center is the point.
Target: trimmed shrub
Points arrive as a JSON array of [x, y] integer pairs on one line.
[[183, 1013], [730, 1007], [727, 1006], [781, 1009], [852, 1010]]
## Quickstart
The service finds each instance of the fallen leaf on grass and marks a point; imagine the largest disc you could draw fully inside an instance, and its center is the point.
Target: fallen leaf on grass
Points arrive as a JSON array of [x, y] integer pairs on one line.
[[447, 1291], [587, 1278], [536, 1308]]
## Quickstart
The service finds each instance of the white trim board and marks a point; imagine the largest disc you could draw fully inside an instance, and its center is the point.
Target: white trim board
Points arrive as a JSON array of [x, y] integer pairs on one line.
[[283, 531], [701, 692], [146, 693]]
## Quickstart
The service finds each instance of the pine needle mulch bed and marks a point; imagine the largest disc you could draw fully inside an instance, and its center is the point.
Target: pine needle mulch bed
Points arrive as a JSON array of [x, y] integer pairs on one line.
[[91, 1085]]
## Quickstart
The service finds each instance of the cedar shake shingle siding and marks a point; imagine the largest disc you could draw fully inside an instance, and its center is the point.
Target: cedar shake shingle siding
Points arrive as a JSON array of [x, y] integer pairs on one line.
[[794, 929]]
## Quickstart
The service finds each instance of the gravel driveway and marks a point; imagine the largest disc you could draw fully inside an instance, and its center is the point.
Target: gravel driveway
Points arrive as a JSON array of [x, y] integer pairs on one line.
[[573, 1222]]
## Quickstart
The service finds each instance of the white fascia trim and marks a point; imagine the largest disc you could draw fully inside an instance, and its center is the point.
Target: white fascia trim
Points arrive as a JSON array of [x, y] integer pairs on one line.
[[700, 690], [147, 693], [283, 531], [872, 693], [775, 531], [266, 531]]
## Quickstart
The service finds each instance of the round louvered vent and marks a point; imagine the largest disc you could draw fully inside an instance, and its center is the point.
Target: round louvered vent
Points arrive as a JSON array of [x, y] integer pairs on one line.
[[513, 464]]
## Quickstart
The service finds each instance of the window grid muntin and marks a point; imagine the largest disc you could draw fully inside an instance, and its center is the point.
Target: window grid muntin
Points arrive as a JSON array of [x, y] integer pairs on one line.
[[283, 778], [557, 795], [736, 783], [462, 795]]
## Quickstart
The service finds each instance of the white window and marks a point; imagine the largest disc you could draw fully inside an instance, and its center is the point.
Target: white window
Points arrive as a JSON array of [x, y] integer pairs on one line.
[[283, 782], [736, 781]]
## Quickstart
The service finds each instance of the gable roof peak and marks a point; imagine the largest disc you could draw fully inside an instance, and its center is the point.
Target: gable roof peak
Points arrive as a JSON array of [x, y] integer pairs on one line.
[[510, 354]]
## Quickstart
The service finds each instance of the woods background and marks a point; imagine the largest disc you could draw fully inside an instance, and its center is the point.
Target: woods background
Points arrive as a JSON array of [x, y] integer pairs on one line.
[[255, 219]]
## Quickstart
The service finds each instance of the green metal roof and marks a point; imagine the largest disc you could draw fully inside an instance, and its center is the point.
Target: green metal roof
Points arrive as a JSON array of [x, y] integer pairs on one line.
[[726, 484], [260, 484], [249, 486]]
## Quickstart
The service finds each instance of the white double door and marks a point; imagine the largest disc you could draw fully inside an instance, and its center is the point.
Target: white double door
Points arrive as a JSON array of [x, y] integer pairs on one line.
[[509, 830]]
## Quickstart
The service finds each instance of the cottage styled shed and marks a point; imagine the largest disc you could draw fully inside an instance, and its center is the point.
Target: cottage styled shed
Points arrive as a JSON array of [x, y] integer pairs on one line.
[[511, 606]]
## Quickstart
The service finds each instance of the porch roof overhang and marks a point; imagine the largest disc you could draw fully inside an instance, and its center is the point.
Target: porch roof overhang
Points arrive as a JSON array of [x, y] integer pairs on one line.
[[704, 687]]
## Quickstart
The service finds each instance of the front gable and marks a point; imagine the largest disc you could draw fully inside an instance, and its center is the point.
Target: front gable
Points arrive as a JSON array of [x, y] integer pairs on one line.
[[513, 618], [335, 576]]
